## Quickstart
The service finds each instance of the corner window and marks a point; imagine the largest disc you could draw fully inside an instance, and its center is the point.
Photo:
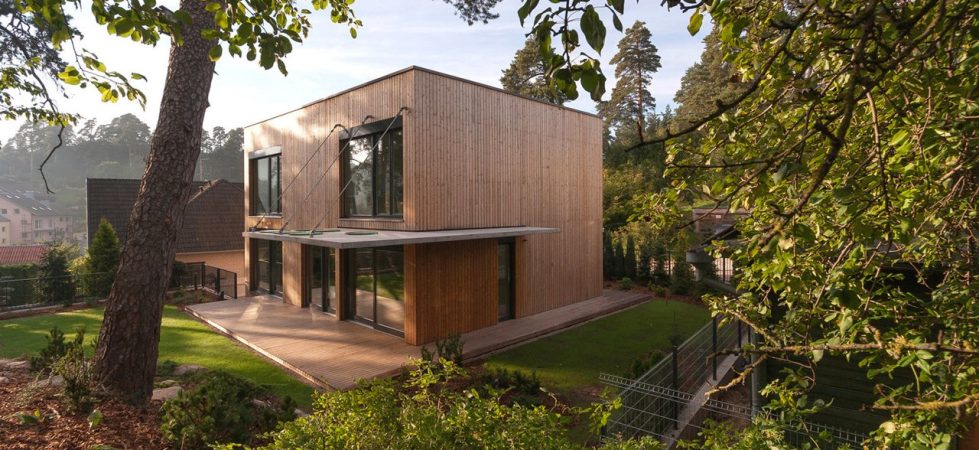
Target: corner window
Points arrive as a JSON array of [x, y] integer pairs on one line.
[[372, 181], [264, 185]]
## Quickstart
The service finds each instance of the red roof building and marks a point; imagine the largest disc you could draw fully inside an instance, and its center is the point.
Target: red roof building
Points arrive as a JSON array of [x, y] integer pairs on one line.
[[22, 254]]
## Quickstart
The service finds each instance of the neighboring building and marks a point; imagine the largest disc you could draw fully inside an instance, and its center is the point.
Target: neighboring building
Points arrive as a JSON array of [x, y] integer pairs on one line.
[[22, 254], [4, 231], [211, 231], [709, 221], [440, 205], [32, 219]]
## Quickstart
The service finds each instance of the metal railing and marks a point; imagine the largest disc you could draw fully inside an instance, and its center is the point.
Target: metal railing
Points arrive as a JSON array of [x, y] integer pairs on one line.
[[198, 275], [25, 293], [685, 368], [653, 402]]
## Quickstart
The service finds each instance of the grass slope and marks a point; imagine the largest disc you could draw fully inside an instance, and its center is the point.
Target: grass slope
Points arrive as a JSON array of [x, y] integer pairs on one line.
[[182, 340], [573, 359]]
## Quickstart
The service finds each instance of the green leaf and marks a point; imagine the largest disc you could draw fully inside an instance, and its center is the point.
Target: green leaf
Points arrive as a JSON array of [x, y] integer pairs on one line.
[[696, 20], [594, 29], [215, 53], [525, 10], [817, 355], [353, 32]]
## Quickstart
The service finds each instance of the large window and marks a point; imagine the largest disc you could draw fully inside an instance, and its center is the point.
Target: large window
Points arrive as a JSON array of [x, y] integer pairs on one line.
[[265, 185], [266, 266], [376, 287], [372, 171], [320, 278]]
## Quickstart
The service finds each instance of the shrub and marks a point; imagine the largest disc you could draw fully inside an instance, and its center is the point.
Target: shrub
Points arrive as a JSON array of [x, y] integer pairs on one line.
[[221, 408], [55, 283], [77, 377], [642, 364], [448, 349], [165, 368], [625, 283], [516, 380], [56, 348], [103, 259]]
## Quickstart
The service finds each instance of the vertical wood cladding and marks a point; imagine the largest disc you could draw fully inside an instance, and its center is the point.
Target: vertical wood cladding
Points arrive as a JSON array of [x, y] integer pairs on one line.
[[474, 157], [451, 287]]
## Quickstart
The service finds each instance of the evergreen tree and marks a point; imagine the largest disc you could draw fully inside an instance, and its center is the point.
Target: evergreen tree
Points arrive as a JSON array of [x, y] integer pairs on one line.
[[103, 259], [642, 265], [608, 255], [527, 75], [630, 104], [55, 284], [707, 81], [617, 258], [630, 257]]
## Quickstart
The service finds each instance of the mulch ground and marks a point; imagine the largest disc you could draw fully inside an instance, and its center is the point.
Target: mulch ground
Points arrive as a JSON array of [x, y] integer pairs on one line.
[[122, 427]]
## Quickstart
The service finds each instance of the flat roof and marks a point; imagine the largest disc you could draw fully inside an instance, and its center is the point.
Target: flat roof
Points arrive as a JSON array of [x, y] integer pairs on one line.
[[345, 238]]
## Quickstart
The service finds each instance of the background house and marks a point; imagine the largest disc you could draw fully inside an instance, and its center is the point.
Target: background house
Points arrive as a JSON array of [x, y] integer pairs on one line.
[[13, 255], [4, 231], [31, 219], [212, 227]]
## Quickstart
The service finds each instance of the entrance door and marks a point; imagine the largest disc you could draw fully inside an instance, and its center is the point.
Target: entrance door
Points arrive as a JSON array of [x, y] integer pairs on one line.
[[505, 280], [321, 281], [375, 287]]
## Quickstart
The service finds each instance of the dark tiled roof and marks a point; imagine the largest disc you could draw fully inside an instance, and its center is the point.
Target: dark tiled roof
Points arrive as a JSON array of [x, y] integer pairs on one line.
[[27, 202], [213, 221], [22, 254]]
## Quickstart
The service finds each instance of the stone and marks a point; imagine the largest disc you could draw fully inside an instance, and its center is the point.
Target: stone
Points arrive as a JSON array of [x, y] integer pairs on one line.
[[185, 369], [300, 413], [55, 381], [14, 364], [4, 380], [164, 394], [166, 383]]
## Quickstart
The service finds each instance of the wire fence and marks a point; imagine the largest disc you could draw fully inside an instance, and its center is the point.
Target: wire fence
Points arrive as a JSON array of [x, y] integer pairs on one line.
[[653, 403], [26, 293]]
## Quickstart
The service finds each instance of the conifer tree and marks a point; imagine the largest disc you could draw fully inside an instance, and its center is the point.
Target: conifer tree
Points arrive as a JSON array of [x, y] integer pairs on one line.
[[630, 105], [527, 75], [103, 259], [54, 284], [630, 258]]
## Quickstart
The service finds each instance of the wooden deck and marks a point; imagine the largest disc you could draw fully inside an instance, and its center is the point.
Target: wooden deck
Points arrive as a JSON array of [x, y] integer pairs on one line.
[[333, 354]]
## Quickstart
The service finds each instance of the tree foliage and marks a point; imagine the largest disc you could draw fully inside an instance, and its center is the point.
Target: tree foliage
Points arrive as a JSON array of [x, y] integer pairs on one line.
[[631, 104], [103, 259], [527, 75], [852, 143]]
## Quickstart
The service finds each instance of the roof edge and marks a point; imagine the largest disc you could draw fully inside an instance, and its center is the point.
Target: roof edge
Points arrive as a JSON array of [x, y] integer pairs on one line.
[[420, 69]]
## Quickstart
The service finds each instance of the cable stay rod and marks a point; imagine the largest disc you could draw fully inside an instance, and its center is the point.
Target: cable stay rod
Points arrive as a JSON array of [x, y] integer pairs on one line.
[[401, 111]]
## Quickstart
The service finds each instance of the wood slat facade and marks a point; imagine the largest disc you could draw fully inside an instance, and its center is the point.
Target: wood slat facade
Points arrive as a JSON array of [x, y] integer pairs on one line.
[[473, 157]]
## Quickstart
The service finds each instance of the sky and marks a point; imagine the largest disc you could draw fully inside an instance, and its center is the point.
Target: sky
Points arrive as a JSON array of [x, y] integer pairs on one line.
[[418, 32]]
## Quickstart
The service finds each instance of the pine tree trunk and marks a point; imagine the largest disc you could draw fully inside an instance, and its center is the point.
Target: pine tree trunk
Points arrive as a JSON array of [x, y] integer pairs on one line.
[[130, 336]]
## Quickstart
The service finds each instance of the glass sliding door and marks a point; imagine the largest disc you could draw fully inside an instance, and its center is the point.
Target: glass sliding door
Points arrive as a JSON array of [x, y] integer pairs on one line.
[[266, 266], [375, 287], [505, 279], [320, 279]]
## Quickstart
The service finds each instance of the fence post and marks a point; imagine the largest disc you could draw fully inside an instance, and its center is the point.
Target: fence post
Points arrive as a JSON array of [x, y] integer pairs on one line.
[[203, 274], [676, 388], [713, 339], [234, 283]]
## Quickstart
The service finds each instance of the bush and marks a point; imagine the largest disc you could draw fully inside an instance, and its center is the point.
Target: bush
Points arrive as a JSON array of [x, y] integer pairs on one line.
[[56, 348], [55, 283], [77, 376], [642, 364], [448, 349], [514, 380], [625, 283], [103, 259], [221, 408]]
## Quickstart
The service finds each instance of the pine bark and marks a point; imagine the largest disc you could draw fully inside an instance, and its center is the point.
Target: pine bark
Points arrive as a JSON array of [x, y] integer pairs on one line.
[[129, 340]]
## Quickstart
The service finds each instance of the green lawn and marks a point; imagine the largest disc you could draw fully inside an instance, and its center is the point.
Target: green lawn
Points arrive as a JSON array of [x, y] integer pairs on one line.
[[568, 361], [183, 340]]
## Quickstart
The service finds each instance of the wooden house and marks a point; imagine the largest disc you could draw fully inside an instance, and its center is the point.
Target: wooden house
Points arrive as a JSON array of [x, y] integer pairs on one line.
[[422, 204]]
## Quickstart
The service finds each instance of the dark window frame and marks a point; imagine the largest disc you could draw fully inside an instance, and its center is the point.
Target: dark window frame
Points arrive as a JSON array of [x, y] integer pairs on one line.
[[273, 207], [373, 132], [274, 282]]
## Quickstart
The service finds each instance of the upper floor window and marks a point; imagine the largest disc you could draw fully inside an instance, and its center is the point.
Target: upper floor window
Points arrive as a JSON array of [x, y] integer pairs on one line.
[[372, 180], [265, 185]]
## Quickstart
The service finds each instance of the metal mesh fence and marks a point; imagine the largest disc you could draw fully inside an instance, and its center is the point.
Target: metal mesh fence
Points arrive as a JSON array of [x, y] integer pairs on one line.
[[652, 403], [26, 293]]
